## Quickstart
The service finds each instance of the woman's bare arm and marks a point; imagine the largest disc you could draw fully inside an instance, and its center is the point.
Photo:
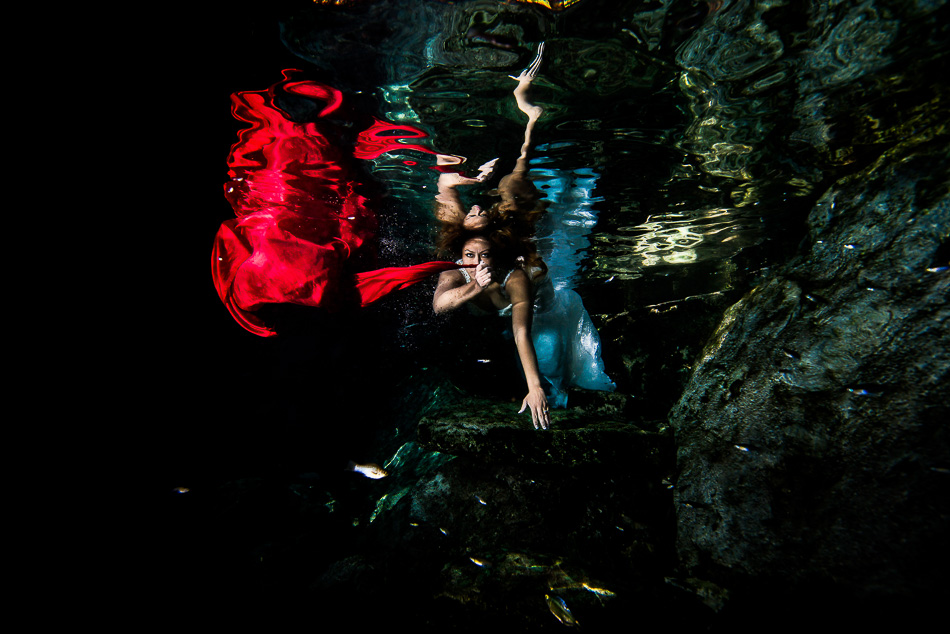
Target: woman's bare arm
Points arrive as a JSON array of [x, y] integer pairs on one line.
[[452, 291], [449, 208], [521, 311]]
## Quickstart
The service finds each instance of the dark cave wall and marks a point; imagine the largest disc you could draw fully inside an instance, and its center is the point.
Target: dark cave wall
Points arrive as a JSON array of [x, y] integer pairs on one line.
[[811, 436]]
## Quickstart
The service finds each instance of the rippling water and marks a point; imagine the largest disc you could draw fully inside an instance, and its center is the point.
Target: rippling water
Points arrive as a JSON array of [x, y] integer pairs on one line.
[[678, 139]]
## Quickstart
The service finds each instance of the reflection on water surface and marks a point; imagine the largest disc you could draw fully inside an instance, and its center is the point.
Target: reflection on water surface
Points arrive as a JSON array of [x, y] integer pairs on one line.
[[664, 144]]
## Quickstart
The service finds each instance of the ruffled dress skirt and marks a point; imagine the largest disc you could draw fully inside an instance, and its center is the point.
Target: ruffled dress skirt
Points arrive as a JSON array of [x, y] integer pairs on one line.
[[566, 343]]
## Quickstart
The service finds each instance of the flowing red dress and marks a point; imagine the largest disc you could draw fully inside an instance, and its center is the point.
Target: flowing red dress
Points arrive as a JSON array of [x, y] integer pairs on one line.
[[304, 222]]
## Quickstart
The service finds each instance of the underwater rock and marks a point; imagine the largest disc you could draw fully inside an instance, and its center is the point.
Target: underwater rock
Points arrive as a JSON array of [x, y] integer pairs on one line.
[[582, 435], [491, 540], [811, 435], [581, 512], [648, 349]]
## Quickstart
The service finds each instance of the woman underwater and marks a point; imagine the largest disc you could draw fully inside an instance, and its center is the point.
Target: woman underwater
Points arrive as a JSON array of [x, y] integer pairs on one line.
[[488, 291], [556, 341], [304, 230]]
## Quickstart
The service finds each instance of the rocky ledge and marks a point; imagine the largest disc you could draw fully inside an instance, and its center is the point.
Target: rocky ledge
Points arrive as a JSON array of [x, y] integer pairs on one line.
[[592, 432]]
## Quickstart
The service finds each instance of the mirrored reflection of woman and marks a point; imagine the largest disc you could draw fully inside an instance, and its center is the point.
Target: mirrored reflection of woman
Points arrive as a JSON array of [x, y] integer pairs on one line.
[[520, 206]]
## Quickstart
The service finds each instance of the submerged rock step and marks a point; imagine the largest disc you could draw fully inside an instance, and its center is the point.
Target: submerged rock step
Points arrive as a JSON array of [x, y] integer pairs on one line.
[[493, 432]]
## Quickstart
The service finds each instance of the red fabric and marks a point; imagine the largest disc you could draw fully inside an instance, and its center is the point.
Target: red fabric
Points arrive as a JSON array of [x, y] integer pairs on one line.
[[383, 137], [303, 217], [373, 285]]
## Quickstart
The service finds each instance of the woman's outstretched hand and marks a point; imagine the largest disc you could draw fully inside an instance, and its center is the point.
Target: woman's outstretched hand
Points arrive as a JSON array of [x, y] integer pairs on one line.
[[538, 404], [485, 170]]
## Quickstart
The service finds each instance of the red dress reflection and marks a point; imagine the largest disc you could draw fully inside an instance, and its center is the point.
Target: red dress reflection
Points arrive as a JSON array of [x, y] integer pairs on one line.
[[304, 220]]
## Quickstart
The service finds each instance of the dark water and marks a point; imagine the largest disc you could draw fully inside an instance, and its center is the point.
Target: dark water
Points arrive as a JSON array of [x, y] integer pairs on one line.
[[682, 146]]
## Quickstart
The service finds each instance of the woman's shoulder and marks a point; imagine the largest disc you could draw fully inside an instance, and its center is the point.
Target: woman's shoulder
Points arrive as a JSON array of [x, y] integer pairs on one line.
[[516, 282], [517, 275], [530, 274]]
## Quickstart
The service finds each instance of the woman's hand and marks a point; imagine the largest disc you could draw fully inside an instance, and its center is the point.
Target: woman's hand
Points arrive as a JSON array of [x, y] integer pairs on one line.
[[485, 170], [538, 404], [454, 179], [482, 275]]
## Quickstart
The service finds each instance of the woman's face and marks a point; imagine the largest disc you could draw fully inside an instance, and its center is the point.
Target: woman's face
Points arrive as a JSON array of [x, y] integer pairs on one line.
[[477, 250], [477, 218]]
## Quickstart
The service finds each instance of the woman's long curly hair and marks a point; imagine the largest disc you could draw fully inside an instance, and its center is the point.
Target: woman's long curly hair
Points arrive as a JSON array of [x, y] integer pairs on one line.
[[509, 248], [510, 229]]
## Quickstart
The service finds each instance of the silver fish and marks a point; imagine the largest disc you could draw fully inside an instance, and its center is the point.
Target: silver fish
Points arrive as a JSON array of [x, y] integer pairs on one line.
[[370, 470], [602, 592], [560, 610]]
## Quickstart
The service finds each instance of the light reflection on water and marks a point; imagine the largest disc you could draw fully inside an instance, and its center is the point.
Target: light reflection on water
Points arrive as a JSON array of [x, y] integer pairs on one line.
[[654, 188], [569, 237], [672, 238], [563, 233]]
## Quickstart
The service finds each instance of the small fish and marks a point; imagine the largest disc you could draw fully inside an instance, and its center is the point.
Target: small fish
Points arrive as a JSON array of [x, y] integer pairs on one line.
[[603, 592], [560, 610], [859, 390], [181, 489], [370, 470]]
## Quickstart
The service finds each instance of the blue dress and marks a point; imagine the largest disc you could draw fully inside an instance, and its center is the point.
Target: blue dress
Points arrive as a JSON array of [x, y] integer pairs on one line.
[[565, 340]]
